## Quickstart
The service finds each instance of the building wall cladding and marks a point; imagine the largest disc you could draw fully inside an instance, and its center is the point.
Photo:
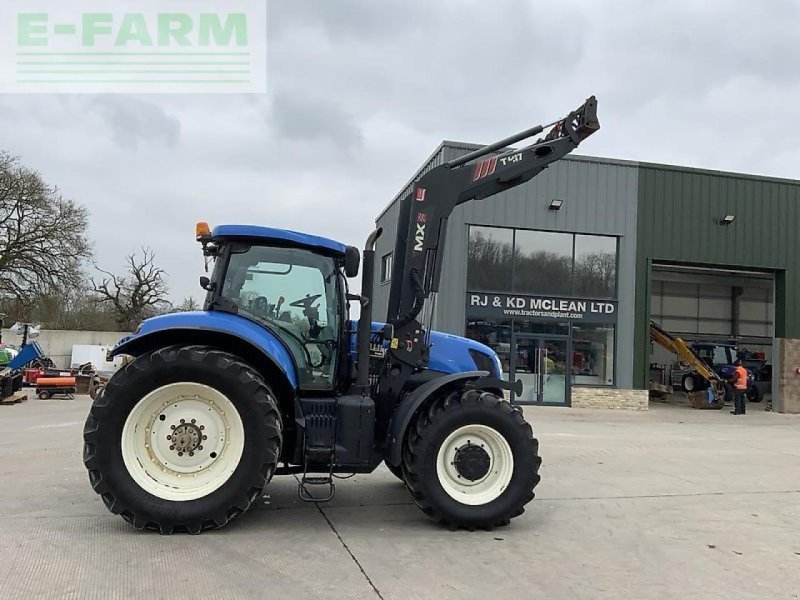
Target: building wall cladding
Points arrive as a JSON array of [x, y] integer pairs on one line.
[[679, 221], [600, 197]]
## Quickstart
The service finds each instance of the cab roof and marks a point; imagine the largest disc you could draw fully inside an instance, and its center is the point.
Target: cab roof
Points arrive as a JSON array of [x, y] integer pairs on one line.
[[284, 237]]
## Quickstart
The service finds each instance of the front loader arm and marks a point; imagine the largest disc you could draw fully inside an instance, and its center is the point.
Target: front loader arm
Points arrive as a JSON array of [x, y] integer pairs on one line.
[[424, 212]]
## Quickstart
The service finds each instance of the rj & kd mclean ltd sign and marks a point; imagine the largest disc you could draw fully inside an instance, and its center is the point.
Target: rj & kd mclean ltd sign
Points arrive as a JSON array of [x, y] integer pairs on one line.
[[541, 307]]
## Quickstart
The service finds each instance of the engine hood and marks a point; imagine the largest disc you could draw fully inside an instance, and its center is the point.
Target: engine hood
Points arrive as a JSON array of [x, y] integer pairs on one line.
[[448, 354]]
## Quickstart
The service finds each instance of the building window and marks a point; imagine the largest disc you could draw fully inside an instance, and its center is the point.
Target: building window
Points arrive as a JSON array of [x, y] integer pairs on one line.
[[543, 262], [489, 259], [593, 354], [595, 274], [386, 267], [541, 327]]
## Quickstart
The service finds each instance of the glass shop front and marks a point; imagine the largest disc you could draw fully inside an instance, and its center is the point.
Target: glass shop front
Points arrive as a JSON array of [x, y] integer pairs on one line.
[[546, 302]]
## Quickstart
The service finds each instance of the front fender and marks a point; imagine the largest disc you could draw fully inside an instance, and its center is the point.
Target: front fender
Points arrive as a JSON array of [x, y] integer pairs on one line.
[[202, 326], [403, 414]]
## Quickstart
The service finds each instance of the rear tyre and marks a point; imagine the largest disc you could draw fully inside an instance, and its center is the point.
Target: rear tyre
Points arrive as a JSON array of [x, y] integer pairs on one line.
[[44, 395], [471, 461], [182, 439], [689, 383]]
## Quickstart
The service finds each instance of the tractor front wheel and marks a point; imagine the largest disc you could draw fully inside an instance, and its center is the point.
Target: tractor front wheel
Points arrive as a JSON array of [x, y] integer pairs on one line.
[[182, 439], [471, 461]]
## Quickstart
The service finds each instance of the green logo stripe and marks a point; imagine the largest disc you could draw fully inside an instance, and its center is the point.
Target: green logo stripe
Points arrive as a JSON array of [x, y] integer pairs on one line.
[[236, 81], [91, 53], [122, 72], [130, 62]]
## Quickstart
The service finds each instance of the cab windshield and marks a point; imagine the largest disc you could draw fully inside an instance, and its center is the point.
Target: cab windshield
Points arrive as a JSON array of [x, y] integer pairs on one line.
[[294, 293]]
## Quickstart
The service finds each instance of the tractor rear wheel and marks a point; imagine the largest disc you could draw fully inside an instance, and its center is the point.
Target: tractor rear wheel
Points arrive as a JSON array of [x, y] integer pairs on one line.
[[471, 461], [182, 439]]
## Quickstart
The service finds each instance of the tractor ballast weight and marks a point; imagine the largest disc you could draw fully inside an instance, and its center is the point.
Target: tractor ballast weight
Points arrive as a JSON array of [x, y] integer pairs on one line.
[[273, 378]]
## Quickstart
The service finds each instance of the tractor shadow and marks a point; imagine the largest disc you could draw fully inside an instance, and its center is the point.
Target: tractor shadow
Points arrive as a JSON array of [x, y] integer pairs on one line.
[[377, 497]]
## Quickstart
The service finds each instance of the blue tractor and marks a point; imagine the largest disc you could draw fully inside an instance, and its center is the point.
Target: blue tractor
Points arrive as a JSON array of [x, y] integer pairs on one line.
[[722, 358], [272, 378]]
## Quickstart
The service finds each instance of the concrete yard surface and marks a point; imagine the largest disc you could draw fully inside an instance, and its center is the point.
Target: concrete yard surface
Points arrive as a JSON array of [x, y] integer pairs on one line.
[[670, 503]]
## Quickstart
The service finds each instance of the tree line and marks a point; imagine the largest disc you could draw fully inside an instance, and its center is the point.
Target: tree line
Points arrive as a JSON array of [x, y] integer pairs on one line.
[[49, 274], [489, 267]]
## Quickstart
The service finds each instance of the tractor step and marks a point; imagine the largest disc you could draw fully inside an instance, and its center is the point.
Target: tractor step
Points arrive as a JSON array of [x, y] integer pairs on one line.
[[319, 448], [320, 455]]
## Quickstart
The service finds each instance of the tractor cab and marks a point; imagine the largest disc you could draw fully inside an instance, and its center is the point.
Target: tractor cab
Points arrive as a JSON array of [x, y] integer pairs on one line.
[[289, 283]]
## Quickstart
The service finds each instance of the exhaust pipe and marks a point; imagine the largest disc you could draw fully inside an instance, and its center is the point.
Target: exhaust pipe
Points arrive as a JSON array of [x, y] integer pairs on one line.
[[365, 320]]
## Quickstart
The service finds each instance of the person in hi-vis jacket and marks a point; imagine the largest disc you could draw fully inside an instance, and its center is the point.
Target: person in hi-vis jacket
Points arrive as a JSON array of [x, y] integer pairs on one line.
[[739, 382]]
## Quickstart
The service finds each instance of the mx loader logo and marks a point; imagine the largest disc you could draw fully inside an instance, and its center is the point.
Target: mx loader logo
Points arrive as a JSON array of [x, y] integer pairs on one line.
[[419, 237]]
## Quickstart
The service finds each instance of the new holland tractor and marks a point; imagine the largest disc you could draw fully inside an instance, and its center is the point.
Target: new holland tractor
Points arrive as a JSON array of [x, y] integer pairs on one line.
[[272, 378]]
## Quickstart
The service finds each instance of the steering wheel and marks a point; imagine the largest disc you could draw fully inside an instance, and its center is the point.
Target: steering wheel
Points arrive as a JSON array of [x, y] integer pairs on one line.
[[306, 302]]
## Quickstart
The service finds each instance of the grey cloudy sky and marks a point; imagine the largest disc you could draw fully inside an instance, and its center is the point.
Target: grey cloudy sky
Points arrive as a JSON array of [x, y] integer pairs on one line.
[[361, 91]]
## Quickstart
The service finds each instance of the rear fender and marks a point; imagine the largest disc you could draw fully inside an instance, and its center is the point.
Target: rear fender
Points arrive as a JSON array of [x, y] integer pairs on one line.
[[254, 344]]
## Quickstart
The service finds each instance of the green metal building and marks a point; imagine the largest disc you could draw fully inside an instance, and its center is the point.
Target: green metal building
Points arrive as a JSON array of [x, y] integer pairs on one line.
[[709, 255]]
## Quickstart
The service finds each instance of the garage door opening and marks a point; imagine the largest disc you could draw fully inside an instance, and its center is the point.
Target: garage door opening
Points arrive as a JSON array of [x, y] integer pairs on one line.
[[723, 313]]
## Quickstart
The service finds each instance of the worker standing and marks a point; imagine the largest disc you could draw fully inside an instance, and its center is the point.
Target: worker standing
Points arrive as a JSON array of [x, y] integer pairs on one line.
[[739, 381]]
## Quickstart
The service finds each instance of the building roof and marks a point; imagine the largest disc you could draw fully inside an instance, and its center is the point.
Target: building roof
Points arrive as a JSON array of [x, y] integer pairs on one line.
[[288, 237], [448, 150]]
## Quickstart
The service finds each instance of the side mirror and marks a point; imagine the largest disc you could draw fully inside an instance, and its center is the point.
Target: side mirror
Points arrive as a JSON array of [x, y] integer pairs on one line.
[[206, 284], [352, 258]]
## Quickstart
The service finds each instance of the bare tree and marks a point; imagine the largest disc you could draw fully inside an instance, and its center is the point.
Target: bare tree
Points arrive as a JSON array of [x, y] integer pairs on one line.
[[138, 294], [188, 304], [43, 241]]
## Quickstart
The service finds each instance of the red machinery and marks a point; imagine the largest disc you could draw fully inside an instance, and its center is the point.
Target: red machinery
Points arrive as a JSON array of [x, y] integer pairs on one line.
[[46, 387]]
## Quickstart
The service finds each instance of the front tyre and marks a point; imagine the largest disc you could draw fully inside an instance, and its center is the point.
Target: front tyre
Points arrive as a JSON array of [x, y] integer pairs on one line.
[[182, 439], [471, 461]]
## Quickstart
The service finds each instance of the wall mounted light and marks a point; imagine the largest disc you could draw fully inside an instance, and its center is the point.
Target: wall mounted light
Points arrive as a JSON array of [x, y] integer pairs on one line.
[[727, 219], [555, 204]]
